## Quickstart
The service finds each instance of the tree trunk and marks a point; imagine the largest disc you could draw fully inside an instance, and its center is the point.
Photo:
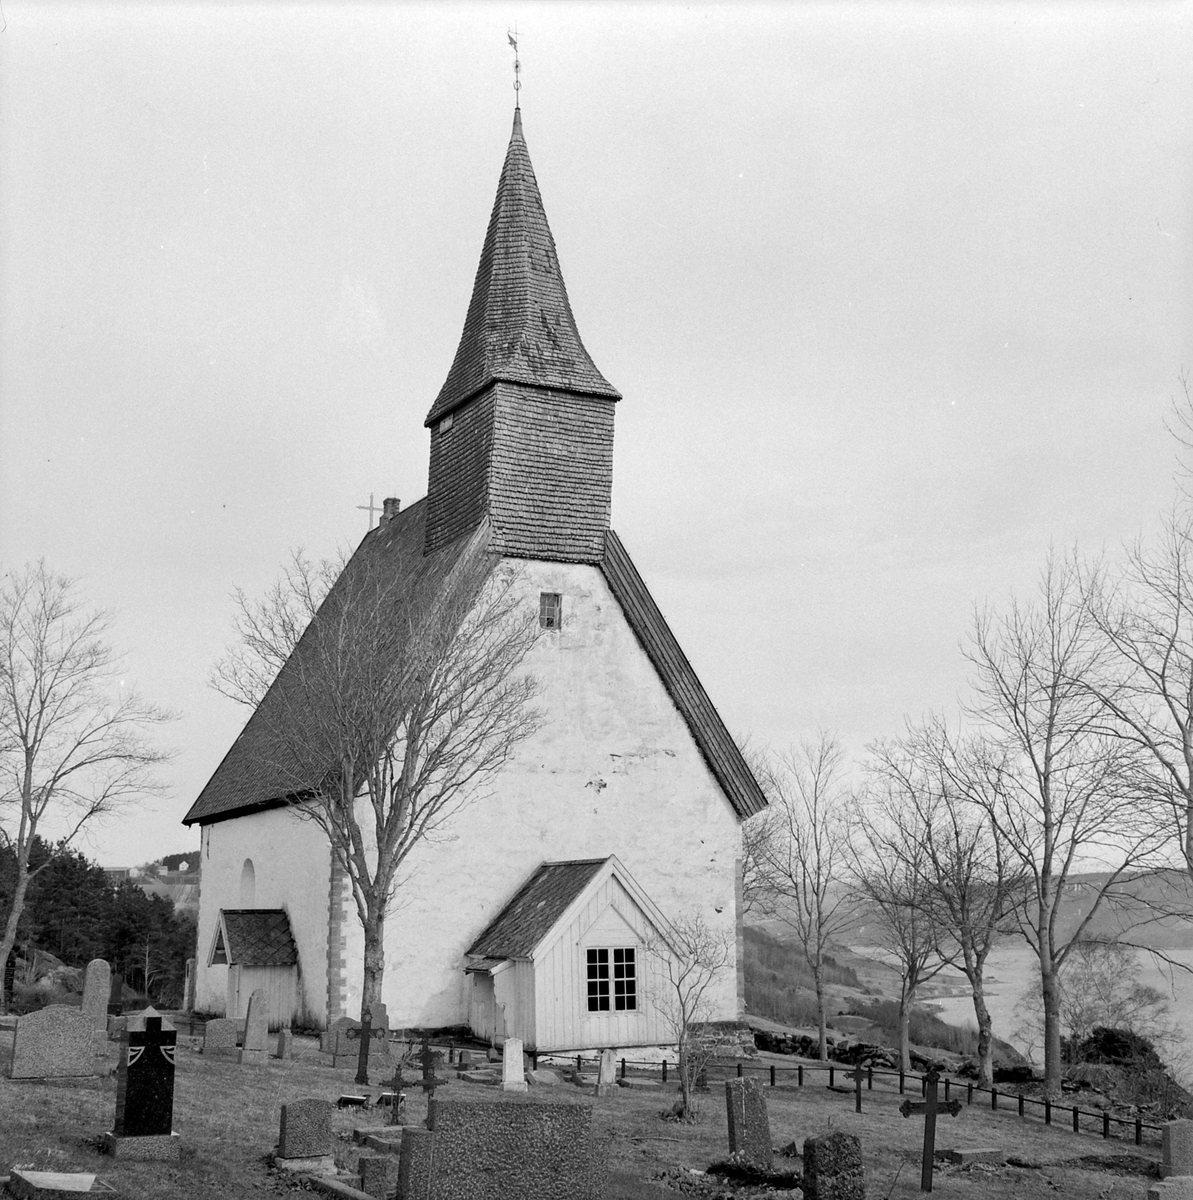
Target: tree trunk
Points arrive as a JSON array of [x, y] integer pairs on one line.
[[374, 959], [985, 1034], [821, 1015], [685, 1077], [1050, 989], [14, 919], [905, 997]]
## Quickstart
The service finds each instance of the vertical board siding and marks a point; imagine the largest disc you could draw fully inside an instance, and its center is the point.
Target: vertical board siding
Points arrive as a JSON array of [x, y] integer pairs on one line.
[[279, 986], [561, 978]]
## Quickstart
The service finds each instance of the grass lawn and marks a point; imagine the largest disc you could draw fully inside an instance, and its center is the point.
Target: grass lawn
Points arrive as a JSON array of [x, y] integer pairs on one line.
[[228, 1118]]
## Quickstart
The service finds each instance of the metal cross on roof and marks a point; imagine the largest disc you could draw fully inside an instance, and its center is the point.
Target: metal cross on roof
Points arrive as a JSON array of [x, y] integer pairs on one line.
[[370, 508]]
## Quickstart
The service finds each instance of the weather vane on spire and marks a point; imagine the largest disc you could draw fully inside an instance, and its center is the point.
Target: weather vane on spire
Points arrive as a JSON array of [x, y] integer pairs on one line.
[[513, 38]]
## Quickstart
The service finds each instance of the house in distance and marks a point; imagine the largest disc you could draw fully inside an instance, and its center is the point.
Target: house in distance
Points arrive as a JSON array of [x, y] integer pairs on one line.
[[620, 814]]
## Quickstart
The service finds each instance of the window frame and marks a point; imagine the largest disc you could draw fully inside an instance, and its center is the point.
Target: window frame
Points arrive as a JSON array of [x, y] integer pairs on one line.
[[615, 979], [551, 610]]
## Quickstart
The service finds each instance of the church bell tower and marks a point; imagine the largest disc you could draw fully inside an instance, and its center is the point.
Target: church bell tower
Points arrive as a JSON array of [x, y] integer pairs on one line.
[[522, 429]]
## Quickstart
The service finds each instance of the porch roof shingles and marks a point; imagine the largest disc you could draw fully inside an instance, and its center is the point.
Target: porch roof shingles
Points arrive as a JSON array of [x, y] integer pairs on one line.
[[535, 909]]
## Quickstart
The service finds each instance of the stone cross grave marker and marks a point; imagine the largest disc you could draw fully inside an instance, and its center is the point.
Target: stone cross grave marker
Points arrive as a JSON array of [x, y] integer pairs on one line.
[[607, 1072], [749, 1124], [97, 987], [513, 1073], [928, 1108], [395, 1086], [143, 1128], [256, 1030], [305, 1130], [833, 1168], [55, 1042]]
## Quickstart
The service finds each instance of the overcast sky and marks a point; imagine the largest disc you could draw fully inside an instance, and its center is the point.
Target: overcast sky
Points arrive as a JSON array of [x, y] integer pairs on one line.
[[896, 295]]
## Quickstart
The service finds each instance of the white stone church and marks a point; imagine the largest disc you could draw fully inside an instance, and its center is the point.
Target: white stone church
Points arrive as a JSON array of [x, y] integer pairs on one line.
[[620, 814]]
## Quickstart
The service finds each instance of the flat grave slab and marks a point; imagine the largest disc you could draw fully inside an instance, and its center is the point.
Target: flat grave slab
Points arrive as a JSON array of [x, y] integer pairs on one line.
[[35, 1185], [962, 1155]]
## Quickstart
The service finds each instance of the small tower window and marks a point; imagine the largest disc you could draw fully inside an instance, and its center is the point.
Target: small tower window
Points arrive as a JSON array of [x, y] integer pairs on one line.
[[551, 610], [445, 423]]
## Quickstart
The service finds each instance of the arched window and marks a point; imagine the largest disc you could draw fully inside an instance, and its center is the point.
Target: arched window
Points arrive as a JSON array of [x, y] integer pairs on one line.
[[248, 885]]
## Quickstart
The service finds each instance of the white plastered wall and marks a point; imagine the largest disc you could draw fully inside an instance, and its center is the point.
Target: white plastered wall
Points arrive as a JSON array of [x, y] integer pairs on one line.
[[291, 870], [612, 770]]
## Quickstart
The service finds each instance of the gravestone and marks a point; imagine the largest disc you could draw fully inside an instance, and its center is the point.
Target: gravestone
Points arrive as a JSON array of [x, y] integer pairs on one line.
[[219, 1037], [607, 1073], [513, 1074], [344, 1050], [143, 1128], [97, 987], [24, 1184], [378, 1174], [371, 1039], [306, 1130], [833, 1168], [1177, 1144], [504, 1148], [749, 1125], [285, 1044], [256, 1030], [10, 978], [56, 1042], [116, 997]]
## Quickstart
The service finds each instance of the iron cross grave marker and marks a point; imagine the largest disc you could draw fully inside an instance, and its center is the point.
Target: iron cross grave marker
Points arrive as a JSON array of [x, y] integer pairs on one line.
[[928, 1108]]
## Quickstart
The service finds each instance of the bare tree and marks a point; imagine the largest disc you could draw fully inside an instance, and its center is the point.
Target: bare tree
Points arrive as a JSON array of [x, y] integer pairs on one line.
[[892, 873], [1062, 795], [396, 708], [808, 857], [268, 629], [1145, 619], [973, 888], [692, 958], [73, 742]]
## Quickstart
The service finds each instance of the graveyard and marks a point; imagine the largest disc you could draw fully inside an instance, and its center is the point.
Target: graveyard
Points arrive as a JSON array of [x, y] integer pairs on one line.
[[232, 1110]]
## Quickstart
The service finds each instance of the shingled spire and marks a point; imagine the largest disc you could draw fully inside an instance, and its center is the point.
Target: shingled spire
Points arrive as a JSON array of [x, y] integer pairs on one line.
[[522, 429]]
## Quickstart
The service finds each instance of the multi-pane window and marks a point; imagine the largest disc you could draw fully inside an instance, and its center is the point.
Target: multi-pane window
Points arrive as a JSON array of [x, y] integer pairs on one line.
[[612, 980], [550, 610]]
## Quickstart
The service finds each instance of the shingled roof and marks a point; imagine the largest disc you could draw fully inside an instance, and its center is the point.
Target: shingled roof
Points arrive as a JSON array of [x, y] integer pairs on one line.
[[720, 751], [259, 770], [535, 909], [519, 325], [258, 937]]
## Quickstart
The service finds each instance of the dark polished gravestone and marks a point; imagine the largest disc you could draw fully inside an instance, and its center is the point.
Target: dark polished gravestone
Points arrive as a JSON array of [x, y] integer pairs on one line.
[[145, 1091]]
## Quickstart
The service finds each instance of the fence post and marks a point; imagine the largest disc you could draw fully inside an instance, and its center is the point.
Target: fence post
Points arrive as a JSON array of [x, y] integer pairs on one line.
[[772, 1074], [994, 1099], [1105, 1125], [946, 1090], [623, 1068], [832, 1071], [969, 1093], [664, 1070], [1076, 1119], [799, 1082], [870, 1078], [1139, 1131], [1021, 1104], [578, 1062], [738, 1069], [1047, 1111], [901, 1080]]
